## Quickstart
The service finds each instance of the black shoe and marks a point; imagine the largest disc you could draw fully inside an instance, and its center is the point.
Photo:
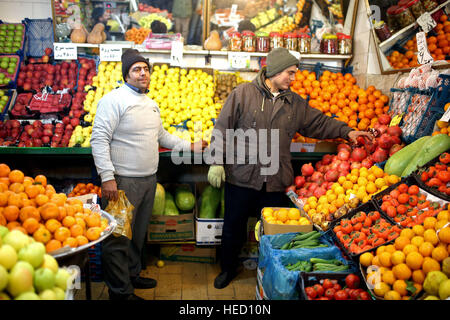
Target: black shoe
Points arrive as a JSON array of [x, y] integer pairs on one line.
[[117, 296], [224, 279], [143, 283]]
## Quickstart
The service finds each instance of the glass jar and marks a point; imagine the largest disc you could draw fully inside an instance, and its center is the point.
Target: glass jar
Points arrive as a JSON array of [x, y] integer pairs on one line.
[[415, 6], [235, 43], [328, 45], [344, 44], [304, 43], [429, 5], [248, 41], [290, 41], [391, 19], [276, 40], [262, 42], [404, 17], [382, 31]]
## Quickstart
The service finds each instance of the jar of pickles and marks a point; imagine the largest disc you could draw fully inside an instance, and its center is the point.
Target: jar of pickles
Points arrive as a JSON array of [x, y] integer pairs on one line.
[[262, 42], [404, 17], [415, 6], [248, 41], [329, 45], [235, 43], [276, 40], [429, 5], [304, 43], [391, 19], [382, 30], [290, 41], [344, 43]]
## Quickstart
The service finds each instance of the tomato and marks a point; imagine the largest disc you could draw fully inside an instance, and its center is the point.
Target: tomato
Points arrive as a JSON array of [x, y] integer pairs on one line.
[[347, 228], [310, 292], [352, 281], [353, 295], [392, 235], [319, 289], [444, 176], [413, 190], [347, 290], [323, 298], [368, 222], [341, 295], [366, 230], [337, 286], [357, 226], [444, 158], [378, 241], [364, 295], [327, 284], [424, 177], [329, 293]]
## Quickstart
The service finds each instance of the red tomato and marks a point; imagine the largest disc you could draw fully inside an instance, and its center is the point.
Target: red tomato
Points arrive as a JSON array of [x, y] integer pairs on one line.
[[310, 292], [341, 295], [323, 298], [319, 289], [329, 293], [352, 281], [337, 286], [327, 284], [353, 294], [364, 295]]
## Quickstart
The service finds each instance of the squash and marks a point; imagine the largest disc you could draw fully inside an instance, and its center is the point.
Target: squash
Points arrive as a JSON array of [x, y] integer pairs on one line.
[[184, 198], [96, 36], [78, 35], [160, 200], [213, 42], [210, 202], [170, 209]]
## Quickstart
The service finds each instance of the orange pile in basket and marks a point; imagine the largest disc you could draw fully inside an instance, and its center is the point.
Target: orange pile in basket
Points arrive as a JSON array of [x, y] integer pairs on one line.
[[33, 207], [85, 188], [137, 35]]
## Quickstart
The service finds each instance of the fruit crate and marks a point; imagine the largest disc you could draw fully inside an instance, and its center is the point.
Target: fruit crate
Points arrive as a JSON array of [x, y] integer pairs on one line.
[[11, 95], [7, 34], [417, 176], [39, 35], [308, 279], [9, 72], [22, 94], [400, 99], [365, 207]]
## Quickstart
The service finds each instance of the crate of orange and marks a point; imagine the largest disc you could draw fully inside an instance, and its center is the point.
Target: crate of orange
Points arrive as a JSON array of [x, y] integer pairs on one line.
[[65, 226], [85, 188], [283, 220]]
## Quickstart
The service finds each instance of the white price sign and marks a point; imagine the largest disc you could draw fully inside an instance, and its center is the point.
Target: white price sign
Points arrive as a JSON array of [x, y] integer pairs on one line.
[[176, 53], [65, 51], [446, 116], [426, 22], [423, 55], [239, 60], [110, 52]]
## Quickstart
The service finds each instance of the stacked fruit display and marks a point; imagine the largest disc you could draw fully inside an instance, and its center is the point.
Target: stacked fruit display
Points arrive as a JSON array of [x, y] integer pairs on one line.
[[137, 35], [85, 188], [283, 24], [225, 83], [33, 207], [265, 17], [4, 98], [27, 272], [9, 132], [147, 20], [348, 288], [338, 95], [407, 266], [11, 37], [8, 69], [290, 216], [184, 96]]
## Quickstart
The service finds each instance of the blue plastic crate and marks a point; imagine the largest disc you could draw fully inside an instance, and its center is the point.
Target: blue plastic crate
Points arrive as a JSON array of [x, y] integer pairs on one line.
[[9, 93], [39, 35]]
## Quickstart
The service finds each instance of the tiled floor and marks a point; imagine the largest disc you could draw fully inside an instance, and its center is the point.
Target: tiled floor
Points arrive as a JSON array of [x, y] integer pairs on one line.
[[184, 281]]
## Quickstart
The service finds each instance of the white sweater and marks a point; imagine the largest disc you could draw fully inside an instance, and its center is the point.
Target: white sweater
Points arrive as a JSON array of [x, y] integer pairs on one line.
[[126, 133]]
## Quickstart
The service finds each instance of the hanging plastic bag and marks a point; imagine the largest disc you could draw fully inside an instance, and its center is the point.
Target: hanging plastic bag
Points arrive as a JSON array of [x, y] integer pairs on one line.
[[121, 210]]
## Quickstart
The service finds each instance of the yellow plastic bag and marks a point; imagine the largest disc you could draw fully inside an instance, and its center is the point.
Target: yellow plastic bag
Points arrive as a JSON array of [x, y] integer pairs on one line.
[[121, 210]]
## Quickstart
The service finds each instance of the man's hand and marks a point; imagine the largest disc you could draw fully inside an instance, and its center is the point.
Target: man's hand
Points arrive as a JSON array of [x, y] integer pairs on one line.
[[199, 146], [216, 175], [109, 190], [353, 135]]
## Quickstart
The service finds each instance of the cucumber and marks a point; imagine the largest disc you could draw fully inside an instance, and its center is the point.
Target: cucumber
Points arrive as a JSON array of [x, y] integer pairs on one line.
[[303, 236]]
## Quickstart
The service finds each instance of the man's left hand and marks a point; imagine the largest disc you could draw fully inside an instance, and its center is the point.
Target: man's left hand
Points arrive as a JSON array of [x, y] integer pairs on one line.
[[199, 145], [353, 135]]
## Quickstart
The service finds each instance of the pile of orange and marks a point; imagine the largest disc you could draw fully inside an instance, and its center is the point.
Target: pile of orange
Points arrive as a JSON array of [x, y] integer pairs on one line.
[[137, 35], [85, 188], [407, 261], [33, 207], [289, 216], [442, 126], [336, 94], [408, 59]]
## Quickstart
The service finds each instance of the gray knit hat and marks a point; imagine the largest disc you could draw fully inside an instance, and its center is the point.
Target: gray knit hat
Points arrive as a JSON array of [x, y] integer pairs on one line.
[[130, 57], [279, 59]]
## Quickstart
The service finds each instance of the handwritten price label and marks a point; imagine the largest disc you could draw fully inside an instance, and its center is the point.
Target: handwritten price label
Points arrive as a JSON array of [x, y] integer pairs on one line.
[[426, 22], [176, 53], [423, 54], [65, 51], [110, 52], [239, 60]]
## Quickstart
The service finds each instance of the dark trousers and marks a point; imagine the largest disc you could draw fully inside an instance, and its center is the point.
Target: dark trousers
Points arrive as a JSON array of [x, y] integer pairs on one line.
[[240, 204], [121, 257]]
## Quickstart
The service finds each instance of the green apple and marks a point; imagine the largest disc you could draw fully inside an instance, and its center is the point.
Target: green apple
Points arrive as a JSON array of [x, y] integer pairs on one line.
[[3, 26], [28, 296], [60, 294], [50, 263], [20, 280], [3, 32], [4, 98], [33, 253], [24, 264], [11, 27], [3, 277], [47, 294], [4, 296], [4, 65], [8, 256], [16, 238], [2, 75], [43, 279], [10, 70], [63, 279]]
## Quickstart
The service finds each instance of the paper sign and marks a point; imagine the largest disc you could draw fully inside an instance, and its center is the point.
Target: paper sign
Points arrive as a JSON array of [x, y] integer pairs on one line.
[[233, 10], [176, 53], [423, 54], [239, 60], [110, 52], [396, 120], [65, 51], [426, 22], [446, 116]]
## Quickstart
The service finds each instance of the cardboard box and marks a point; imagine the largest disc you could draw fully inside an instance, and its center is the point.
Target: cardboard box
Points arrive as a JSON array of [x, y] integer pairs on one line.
[[207, 231], [270, 228], [188, 253]]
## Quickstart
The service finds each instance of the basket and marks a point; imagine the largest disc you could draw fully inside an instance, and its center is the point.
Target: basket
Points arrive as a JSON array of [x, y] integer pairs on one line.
[[399, 102], [39, 35]]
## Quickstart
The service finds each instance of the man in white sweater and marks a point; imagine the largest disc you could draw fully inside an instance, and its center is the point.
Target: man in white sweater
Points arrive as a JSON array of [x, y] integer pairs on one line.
[[125, 138]]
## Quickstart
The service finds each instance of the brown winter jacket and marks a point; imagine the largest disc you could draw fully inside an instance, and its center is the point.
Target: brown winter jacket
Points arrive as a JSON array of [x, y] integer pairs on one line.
[[244, 109]]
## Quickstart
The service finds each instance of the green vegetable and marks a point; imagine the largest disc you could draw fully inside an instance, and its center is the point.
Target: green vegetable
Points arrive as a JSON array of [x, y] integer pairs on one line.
[[332, 261], [170, 209], [397, 163], [210, 202], [303, 236], [160, 200], [433, 148], [184, 198], [328, 267]]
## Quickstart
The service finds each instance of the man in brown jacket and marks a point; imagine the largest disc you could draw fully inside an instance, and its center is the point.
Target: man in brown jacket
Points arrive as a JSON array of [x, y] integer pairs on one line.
[[251, 184]]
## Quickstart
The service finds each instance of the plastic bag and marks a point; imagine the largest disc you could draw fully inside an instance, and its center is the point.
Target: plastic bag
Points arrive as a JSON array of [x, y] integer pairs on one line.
[[121, 210]]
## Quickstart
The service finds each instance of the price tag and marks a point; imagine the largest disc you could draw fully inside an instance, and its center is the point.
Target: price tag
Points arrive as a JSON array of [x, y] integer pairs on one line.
[[446, 116], [295, 54], [426, 22], [423, 54], [65, 51], [396, 120], [176, 53], [110, 52], [239, 60], [233, 10]]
